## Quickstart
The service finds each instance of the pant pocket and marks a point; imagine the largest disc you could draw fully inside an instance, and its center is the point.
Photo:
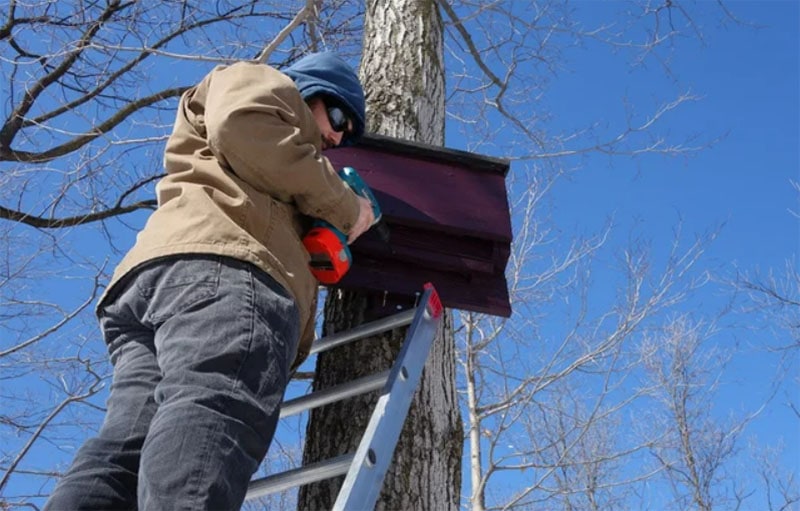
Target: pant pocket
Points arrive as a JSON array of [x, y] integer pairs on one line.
[[174, 286]]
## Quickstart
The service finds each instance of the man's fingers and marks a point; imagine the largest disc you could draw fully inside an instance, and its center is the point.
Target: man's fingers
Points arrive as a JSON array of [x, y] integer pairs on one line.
[[365, 219]]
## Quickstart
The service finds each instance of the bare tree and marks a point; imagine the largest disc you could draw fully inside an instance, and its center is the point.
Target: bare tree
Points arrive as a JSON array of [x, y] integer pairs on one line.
[[780, 486], [402, 50], [775, 293], [90, 95], [696, 447], [524, 412], [529, 406]]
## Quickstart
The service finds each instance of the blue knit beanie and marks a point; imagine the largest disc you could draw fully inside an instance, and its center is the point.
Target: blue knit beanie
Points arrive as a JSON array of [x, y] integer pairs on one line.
[[326, 73]]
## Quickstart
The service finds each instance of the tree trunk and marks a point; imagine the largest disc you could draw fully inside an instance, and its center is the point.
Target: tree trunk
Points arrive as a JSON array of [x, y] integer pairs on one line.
[[402, 70]]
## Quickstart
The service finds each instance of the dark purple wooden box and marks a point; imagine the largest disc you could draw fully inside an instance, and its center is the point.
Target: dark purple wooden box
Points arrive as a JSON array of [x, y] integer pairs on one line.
[[449, 220]]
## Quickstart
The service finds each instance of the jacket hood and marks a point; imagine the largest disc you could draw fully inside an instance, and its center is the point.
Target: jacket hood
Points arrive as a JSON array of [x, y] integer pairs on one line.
[[326, 73]]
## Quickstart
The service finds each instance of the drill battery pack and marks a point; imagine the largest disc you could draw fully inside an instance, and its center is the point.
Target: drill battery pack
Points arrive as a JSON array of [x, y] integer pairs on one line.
[[330, 256]]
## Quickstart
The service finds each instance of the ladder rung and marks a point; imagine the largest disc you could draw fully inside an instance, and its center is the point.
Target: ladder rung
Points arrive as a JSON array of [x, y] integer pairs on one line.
[[375, 327], [332, 394], [298, 476]]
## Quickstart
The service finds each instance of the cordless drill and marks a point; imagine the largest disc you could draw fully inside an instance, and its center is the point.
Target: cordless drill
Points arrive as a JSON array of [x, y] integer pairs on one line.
[[327, 245]]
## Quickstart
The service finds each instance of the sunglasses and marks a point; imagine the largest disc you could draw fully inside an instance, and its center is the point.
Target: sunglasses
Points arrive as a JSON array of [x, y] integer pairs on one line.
[[339, 120]]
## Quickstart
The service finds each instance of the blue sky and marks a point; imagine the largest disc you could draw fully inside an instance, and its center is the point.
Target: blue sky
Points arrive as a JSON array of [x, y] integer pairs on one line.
[[747, 80]]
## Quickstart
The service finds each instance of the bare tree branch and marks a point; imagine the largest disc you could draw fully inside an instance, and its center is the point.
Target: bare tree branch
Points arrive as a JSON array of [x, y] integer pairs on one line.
[[306, 15]]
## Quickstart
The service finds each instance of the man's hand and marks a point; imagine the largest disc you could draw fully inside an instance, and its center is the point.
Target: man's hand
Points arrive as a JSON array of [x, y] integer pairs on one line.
[[365, 220]]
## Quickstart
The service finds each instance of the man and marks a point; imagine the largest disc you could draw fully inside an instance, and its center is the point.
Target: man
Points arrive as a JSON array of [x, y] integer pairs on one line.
[[207, 313]]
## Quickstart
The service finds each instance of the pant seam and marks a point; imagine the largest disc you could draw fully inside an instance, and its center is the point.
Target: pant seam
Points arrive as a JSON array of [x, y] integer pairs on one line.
[[201, 473], [237, 384]]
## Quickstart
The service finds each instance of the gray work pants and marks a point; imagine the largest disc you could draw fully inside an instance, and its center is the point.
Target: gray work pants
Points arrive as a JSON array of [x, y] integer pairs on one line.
[[201, 348]]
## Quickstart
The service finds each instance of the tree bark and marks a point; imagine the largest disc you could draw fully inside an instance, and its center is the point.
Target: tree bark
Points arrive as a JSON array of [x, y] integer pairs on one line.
[[402, 70]]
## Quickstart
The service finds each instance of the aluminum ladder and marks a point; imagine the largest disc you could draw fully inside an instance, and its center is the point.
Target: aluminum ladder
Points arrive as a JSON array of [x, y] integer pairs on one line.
[[366, 467]]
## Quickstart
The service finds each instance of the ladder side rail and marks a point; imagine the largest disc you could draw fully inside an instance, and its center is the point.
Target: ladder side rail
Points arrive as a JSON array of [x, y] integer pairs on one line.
[[364, 480]]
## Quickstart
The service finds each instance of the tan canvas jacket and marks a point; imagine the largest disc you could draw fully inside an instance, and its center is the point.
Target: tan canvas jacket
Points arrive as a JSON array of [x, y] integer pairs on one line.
[[244, 165]]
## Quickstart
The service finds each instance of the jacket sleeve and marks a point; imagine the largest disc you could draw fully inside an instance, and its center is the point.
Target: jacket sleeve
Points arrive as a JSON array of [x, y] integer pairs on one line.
[[258, 125]]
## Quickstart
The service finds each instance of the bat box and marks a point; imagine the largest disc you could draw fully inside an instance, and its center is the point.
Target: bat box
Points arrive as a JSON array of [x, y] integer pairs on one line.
[[449, 219]]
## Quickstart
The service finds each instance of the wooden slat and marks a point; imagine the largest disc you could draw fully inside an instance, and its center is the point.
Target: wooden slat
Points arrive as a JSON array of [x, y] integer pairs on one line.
[[440, 251], [486, 294]]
